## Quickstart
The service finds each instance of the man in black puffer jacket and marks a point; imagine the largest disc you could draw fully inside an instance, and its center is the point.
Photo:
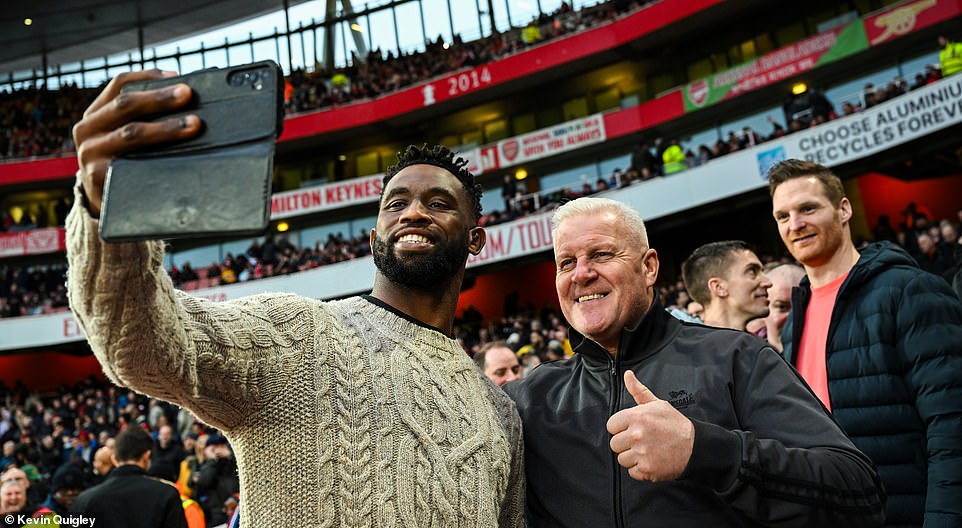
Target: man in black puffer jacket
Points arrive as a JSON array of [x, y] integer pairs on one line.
[[880, 342]]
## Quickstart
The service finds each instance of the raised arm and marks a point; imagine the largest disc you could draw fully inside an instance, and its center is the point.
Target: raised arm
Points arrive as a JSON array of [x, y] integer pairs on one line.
[[221, 360]]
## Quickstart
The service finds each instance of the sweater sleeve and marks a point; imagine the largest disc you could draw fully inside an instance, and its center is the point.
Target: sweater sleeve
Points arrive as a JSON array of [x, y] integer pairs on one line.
[[221, 360], [513, 503], [788, 463], [930, 345], [512, 508]]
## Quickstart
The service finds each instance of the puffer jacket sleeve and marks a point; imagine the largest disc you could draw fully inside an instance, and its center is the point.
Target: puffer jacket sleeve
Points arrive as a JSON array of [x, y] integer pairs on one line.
[[930, 347]]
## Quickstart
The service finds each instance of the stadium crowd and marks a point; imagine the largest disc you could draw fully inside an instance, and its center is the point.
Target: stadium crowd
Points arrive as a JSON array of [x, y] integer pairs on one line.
[[58, 444], [661, 157], [935, 243], [36, 121]]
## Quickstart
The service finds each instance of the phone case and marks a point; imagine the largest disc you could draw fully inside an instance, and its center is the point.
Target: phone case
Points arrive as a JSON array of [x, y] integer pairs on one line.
[[218, 183]]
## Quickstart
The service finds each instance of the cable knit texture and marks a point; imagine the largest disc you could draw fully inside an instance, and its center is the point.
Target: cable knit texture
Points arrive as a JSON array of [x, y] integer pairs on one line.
[[341, 414]]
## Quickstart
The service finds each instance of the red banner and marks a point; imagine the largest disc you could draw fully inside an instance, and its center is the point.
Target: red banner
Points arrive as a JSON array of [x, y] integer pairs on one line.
[[895, 22], [32, 242]]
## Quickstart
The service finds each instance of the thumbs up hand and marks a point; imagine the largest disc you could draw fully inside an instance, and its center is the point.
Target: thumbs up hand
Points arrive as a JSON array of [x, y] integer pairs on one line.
[[653, 440]]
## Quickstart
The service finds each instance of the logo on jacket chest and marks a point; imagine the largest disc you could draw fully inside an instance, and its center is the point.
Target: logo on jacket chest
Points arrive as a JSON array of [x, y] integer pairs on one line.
[[681, 399]]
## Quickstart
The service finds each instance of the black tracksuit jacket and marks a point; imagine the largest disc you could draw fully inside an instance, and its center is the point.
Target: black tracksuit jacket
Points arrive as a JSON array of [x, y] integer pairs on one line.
[[766, 452]]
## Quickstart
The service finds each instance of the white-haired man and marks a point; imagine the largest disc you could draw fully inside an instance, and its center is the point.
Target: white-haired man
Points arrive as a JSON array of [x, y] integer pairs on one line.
[[724, 434]]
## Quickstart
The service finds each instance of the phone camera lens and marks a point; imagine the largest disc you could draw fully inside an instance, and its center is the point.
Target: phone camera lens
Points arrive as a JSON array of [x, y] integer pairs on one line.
[[236, 80]]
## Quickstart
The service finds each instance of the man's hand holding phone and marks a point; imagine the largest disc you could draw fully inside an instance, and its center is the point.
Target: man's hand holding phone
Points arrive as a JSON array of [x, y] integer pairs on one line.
[[110, 127]]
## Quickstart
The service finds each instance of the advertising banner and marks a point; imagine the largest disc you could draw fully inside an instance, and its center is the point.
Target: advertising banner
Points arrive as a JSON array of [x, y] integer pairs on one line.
[[551, 141], [32, 242], [325, 197], [516, 239], [776, 66], [909, 117]]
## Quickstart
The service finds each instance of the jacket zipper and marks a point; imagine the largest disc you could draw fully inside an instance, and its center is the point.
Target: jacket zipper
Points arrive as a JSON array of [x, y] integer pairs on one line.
[[614, 397]]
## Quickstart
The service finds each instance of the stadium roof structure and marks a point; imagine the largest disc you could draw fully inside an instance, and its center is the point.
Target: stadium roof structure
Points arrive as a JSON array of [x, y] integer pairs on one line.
[[68, 31]]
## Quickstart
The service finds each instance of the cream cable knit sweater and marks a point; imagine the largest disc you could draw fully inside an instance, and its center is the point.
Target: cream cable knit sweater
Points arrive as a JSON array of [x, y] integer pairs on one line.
[[340, 414]]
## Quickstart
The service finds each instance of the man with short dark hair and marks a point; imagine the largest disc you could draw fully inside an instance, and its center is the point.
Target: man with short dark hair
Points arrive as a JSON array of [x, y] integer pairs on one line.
[[498, 362], [361, 411], [722, 433], [129, 498], [880, 343], [727, 279]]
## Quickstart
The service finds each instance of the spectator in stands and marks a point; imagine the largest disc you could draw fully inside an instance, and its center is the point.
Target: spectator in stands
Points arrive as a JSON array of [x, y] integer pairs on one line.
[[869, 98], [784, 277], [166, 455], [257, 368], [85, 446], [673, 158], [129, 498], [13, 500], [509, 189], [9, 448], [950, 56], [531, 34], [498, 362], [102, 465], [217, 479], [719, 453], [66, 485], [644, 163], [880, 343], [728, 280], [31, 493]]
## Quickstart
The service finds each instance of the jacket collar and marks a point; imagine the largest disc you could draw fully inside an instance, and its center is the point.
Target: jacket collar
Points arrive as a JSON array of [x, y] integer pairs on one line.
[[656, 329], [126, 470]]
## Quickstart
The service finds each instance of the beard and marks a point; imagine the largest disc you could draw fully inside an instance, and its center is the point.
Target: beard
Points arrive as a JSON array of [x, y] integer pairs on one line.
[[421, 271]]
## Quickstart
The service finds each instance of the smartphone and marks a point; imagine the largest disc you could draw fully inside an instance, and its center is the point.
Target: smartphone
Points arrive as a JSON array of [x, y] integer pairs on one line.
[[216, 183]]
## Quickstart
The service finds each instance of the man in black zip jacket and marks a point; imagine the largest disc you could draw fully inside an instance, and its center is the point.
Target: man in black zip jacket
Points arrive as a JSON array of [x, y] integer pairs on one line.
[[720, 431], [129, 498], [880, 342]]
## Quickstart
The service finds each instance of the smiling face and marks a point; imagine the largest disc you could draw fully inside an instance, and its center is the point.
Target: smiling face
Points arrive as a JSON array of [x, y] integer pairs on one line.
[[424, 229], [13, 497], [812, 228], [605, 276]]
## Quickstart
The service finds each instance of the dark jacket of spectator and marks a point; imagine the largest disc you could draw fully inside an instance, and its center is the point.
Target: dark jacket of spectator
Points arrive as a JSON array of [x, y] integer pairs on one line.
[[893, 361], [131, 499]]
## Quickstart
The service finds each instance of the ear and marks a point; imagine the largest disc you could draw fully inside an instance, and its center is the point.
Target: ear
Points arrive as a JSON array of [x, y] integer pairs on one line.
[[476, 239], [845, 207], [717, 287], [371, 241], [650, 260]]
